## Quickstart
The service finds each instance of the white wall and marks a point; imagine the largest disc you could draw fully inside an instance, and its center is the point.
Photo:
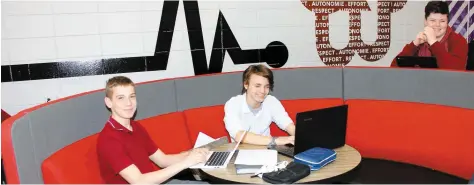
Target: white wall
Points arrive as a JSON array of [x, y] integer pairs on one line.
[[37, 32]]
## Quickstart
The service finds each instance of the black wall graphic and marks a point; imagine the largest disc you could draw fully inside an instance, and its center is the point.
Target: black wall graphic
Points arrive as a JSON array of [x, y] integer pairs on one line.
[[275, 54]]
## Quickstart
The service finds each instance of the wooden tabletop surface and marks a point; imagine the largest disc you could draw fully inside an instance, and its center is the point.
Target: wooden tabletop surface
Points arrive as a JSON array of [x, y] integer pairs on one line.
[[347, 159]]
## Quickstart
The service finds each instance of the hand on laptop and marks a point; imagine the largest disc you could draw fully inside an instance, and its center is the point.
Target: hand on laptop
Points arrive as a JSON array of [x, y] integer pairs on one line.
[[285, 140], [196, 156]]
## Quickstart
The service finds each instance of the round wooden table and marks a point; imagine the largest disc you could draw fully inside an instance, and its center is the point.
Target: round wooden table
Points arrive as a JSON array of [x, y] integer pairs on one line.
[[347, 160]]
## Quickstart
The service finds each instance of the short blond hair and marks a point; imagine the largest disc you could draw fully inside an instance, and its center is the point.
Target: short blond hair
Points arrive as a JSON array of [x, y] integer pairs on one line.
[[116, 81]]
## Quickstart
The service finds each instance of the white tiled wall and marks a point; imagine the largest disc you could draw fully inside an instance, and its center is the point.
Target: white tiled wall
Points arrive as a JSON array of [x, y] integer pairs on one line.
[[29, 50], [180, 40], [27, 26], [120, 22], [71, 7], [28, 92], [78, 46], [340, 39], [42, 31], [149, 42], [151, 5], [5, 54], [280, 17], [114, 44], [120, 6], [25, 8], [286, 35], [305, 56], [76, 24], [150, 20]]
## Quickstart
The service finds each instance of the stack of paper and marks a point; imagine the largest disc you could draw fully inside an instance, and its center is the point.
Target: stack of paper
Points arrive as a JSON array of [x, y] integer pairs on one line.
[[250, 161]]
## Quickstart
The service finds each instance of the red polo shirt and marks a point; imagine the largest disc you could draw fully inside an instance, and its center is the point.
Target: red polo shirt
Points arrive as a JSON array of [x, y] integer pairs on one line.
[[118, 148]]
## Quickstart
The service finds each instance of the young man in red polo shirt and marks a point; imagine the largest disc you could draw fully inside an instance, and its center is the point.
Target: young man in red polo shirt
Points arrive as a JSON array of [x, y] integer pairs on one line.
[[125, 150]]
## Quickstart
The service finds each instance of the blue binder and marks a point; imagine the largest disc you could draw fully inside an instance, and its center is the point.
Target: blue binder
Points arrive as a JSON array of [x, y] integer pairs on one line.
[[316, 158]]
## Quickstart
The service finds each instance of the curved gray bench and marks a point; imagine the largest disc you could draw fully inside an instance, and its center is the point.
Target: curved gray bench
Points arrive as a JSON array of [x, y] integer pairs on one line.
[[38, 132]]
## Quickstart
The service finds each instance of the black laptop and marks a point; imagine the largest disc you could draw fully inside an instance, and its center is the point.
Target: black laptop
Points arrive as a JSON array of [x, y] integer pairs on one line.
[[325, 128], [416, 61]]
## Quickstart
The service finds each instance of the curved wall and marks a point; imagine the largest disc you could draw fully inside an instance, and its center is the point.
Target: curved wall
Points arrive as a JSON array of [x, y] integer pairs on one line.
[[34, 134]]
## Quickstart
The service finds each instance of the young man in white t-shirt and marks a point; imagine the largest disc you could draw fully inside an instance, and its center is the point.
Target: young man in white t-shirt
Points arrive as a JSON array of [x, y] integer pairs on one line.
[[256, 109]]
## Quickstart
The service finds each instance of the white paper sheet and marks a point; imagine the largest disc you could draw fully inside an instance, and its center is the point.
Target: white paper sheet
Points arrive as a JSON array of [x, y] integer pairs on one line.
[[202, 140]]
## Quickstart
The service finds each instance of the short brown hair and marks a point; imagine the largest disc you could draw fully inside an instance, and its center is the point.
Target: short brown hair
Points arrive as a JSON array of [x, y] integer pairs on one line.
[[440, 7], [116, 81], [259, 70]]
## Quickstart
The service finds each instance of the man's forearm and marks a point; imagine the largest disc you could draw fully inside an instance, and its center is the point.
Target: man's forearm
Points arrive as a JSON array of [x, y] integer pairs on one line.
[[171, 159], [291, 129], [252, 138], [158, 177]]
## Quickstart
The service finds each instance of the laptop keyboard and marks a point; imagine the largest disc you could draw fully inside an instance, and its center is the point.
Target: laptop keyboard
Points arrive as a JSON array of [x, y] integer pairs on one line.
[[217, 159]]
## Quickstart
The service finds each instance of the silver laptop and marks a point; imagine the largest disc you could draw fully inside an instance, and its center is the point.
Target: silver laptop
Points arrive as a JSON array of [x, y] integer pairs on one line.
[[217, 159]]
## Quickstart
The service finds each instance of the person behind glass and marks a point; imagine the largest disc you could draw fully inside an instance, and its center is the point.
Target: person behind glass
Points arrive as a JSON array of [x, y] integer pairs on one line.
[[126, 152], [256, 109], [438, 39], [470, 57]]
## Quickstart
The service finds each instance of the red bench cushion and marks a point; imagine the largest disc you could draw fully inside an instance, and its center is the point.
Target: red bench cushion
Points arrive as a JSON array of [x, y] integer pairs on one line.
[[168, 131], [433, 136], [208, 120], [76, 163]]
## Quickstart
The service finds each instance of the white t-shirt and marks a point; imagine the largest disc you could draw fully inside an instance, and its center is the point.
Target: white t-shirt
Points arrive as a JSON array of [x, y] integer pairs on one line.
[[238, 116]]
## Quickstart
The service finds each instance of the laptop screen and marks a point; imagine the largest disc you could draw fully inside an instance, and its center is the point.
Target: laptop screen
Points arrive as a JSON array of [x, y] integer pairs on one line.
[[416, 61], [325, 128]]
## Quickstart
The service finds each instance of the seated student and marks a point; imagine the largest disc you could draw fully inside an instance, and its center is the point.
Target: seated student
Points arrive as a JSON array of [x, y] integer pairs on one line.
[[438, 39], [256, 109], [126, 152]]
